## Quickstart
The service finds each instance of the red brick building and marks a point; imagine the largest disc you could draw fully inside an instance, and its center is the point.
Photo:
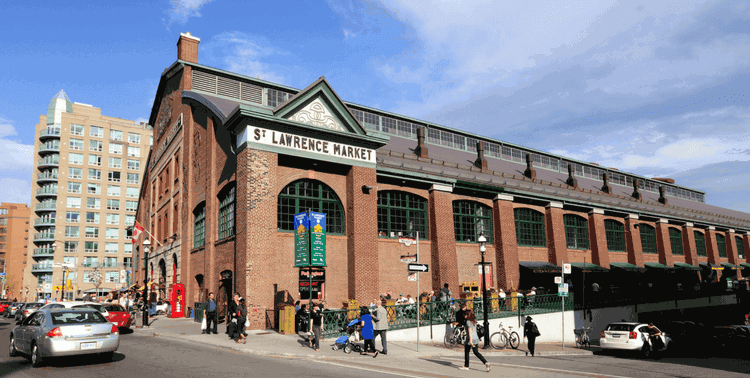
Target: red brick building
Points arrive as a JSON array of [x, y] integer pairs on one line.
[[235, 157]]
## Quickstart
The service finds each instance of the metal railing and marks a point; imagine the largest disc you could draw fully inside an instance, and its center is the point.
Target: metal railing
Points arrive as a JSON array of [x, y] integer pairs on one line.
[[43, 252], [49, 175]]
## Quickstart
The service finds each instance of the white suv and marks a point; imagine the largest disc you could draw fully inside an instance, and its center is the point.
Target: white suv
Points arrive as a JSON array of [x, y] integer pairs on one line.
[[78, 304], [629, 336]]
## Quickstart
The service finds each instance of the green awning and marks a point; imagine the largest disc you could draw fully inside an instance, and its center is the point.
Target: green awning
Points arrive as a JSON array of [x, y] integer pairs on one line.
[[589, 267], [627, 267], [710, 265], [540, 266], [745, 265], [654, 265], [730, 266], [686, 266]]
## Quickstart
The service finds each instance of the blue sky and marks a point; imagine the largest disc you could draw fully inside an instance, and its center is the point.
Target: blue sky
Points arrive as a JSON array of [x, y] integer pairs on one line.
[[658, 88]]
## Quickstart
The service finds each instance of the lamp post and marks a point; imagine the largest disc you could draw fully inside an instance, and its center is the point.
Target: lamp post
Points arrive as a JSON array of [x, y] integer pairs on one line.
[[482, 249], [146, 250], [66, 269]]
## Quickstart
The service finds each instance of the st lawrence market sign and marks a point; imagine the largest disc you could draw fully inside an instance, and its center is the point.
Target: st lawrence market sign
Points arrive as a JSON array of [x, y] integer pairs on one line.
[[300, 143]]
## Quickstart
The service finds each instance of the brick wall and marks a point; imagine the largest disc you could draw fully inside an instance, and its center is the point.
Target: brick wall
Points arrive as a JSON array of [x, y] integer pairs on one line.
[[598, 240], [506, 248], [443, 253]]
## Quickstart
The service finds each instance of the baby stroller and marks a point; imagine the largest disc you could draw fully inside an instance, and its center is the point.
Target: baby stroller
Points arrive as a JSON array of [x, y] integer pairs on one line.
[[349, 339]]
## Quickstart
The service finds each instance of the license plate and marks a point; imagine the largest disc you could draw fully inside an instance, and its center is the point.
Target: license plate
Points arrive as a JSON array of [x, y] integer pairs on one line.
[[615, 336], [85, 346]]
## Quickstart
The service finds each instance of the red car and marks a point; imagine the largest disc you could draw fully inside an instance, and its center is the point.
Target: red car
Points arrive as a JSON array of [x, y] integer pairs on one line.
[[3, 305], [118, 316]]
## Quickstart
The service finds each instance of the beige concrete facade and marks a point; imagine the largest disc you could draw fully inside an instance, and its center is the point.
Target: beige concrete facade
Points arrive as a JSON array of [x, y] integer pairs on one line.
[[86, 181], [14, 235]]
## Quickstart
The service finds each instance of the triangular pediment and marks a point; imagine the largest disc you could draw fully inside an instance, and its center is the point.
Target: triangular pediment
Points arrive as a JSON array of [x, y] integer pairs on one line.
[[318, 105]]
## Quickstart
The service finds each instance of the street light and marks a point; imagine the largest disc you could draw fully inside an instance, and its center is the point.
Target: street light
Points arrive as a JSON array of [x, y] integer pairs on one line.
[[66, 269], [482, 249], [146, 249]]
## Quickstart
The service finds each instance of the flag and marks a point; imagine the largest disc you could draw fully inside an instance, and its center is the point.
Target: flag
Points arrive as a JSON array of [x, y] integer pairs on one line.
[[137, 229]]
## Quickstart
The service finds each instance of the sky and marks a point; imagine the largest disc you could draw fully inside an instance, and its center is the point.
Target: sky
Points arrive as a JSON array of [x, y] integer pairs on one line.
[[656, 88]]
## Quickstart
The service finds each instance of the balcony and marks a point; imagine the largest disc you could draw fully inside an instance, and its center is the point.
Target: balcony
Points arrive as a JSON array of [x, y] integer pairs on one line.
[[49, 191], [48, 176], [44, 221], [44, 237], [50, 161], [111, 265], [49, 133], [43, 252], [35, 268], [49, 148], [90, 264], [45, 206]]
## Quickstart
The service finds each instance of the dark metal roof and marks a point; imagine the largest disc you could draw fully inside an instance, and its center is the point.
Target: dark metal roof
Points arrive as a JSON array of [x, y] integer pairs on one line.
[[540, 266]]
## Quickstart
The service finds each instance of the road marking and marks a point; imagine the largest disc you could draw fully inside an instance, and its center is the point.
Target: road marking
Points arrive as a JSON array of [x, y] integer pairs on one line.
[[392, 372], [546, 369]]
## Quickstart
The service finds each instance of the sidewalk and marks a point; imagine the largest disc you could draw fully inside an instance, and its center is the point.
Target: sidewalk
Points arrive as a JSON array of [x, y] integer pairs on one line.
[[271, 343]]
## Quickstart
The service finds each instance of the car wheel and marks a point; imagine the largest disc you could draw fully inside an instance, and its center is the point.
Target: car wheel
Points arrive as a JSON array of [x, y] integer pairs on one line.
[[108, 356], [12, 352], [36, 359]]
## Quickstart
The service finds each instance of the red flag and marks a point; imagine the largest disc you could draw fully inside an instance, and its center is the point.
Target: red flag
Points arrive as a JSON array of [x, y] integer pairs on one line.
[[137, 229]]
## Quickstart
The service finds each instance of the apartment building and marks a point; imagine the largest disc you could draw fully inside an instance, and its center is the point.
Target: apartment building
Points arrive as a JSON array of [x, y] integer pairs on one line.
[[14, 236]]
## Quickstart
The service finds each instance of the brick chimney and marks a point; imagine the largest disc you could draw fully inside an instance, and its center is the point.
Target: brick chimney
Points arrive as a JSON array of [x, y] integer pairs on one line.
[[187, 47], [481, 162], [572, 181], [421, 150], [606, 188], [530, 172], [636, 191], [662, 197]]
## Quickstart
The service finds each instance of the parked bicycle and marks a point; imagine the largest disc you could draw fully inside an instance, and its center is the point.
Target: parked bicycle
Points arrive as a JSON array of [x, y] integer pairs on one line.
[[582, 337], [505, 338], [456, 337]]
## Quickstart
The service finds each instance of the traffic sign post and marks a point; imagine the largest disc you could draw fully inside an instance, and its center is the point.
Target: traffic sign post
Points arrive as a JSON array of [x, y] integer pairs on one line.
[[419, 268], [566, 270], [414, 268]]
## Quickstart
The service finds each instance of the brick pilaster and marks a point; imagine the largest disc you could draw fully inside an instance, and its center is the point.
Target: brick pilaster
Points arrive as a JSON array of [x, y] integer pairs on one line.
[[506, 246], [688, 244], [362, 235], [633, 241], [712, 250], [444, 259], [746, 243], [663, 244], [555, 225], [599, 251]]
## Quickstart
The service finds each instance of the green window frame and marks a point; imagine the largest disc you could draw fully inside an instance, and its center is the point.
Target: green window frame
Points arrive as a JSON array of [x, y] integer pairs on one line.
[[313, 195], [675, 239], [576, 231], [226, 212], [700, 244], [401, 214], [721, 245], [740, 247], [615, 232], [648, 238], [199, 230], [470, 219], [529, 228]]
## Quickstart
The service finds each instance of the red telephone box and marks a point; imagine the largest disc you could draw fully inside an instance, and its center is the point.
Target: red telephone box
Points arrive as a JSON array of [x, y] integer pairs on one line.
[[178, 301]]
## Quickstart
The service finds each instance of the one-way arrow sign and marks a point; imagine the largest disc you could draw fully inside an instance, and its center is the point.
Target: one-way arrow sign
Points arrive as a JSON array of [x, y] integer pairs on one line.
[[421, 268]]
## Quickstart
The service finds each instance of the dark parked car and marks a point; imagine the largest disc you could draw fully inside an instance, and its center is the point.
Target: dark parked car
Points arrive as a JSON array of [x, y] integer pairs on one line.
[[729, 339], [11, 309], [26, 310], [687, 333]]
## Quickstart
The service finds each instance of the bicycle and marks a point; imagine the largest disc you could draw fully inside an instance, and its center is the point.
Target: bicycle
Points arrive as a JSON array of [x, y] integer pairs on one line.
[[582, 337], [456, 337], [505, 338]]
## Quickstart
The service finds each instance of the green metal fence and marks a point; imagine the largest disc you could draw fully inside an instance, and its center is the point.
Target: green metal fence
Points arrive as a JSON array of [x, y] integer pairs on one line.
[[439, 313]]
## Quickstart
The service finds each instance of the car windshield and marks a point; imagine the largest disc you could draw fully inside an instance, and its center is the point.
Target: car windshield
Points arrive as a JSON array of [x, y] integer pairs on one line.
[[35, 305], [621, 327], [96, 307], [114, 308], [77, 317]]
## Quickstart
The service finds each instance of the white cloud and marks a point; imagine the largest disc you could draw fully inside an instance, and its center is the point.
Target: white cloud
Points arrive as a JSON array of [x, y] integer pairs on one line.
[[243, 53], [182, 10], [349, 34], [15, 190], [141, 119], [14, 155]]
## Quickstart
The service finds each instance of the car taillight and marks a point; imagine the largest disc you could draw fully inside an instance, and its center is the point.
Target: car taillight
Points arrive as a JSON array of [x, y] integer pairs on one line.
[[601, 334], [55, 332], [114, 329], [633, 335]]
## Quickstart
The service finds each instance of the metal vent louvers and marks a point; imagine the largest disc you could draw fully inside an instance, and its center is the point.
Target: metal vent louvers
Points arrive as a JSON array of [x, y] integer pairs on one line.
[[222, 86]]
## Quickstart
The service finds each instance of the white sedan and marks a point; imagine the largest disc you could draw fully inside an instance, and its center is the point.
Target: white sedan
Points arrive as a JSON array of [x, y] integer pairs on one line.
[[629, 336]]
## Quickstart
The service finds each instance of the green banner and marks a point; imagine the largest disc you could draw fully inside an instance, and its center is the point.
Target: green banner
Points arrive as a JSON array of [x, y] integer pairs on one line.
[[318, 239], [301, 239]]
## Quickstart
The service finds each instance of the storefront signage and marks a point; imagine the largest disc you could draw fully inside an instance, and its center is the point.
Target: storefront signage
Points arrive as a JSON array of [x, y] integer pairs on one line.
[[318, 239], [301, 239], [318, 274], [301, 143]]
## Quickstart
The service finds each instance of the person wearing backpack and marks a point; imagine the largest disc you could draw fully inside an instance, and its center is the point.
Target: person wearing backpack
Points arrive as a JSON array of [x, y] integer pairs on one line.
[[531, 331], [445, 293]]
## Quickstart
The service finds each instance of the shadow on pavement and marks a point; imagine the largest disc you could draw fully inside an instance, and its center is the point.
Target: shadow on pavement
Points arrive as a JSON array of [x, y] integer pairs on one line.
[[85, 360], [736, 362]]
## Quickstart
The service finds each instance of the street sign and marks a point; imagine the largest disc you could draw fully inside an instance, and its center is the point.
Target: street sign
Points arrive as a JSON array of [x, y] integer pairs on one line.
[[420, 268], [47, 287], [301, 247], [406, 241], [2, 274], [566, 268], [318, 239], [408, 258], [562, 290], [558, 280], [412, 276]]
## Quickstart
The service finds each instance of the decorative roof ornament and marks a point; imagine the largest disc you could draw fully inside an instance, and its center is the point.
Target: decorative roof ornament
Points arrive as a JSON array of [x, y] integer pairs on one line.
[[316, 114], [59, 104]]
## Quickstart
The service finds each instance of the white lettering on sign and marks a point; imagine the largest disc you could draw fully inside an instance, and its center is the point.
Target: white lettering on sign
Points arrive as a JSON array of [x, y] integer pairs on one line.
[[300, 143]]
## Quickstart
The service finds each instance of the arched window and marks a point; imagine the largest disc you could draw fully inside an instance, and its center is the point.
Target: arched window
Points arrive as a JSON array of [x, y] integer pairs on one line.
[[530, 228], [740, 247], [199, 226], [648, 238], [721, 245], [576, 231], [226, 212], [303, 195], [700, 243], [401, 214], [675, 238], [471, 219], [615, 235]]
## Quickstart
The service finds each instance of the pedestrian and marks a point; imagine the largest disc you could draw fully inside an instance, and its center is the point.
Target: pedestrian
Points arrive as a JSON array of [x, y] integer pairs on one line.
[[531, 331], [381, 325], [388, 296], [433, 298], [445, 293], [317, 325], [209, 313], [472, 341], [239, 315], [368, 332], [461, 314]]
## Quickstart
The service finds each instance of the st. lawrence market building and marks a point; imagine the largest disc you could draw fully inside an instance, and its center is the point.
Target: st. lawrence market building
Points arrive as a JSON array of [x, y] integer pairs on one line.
[[235, 158]]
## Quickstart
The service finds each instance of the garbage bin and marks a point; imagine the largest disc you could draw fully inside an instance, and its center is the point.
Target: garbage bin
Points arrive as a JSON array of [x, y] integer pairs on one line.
[[198, 312]]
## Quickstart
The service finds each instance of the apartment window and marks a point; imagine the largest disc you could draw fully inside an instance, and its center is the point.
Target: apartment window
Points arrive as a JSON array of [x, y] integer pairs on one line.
[[150, 140], [470, 219], [721, 245], [90, 261], [199, 229], [134, 151], [92, 188], [115, 148], [700, 243], [128, 249], [113, 277], [131, 205], [73, 216], [132, 178], [134, 165], [74, 187], [90, 247], [74, 202], [75, 173], [112, 233], [113, 190], [740, 247], [131, 192], [305, 194], [95, 174], [648, 238], [71, 247], [110, 247], [129, 220], [95, 160], [115, 162], [226, 213], [92, 232], [675, 239], [115, 135], [3, 211], [529, 228], [401, 214], [87, 277], [74, 158], [96, 131], [615, 232], [76, 144], [71, 232], [93, 203], [134, 138], [113, 176], [576, 231], [92, 217], [96, 145], [113, 219], [3, 229], [76, 129], [113, 204], [127, 262]]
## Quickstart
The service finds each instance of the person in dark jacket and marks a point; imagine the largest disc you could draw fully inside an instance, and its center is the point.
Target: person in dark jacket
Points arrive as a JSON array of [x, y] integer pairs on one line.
[[531, 331], [317, 324], [209, 313], [239, 315]]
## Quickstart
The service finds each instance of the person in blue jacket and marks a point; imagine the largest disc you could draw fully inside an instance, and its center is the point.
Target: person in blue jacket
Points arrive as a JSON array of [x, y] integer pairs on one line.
[[368, 331]]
